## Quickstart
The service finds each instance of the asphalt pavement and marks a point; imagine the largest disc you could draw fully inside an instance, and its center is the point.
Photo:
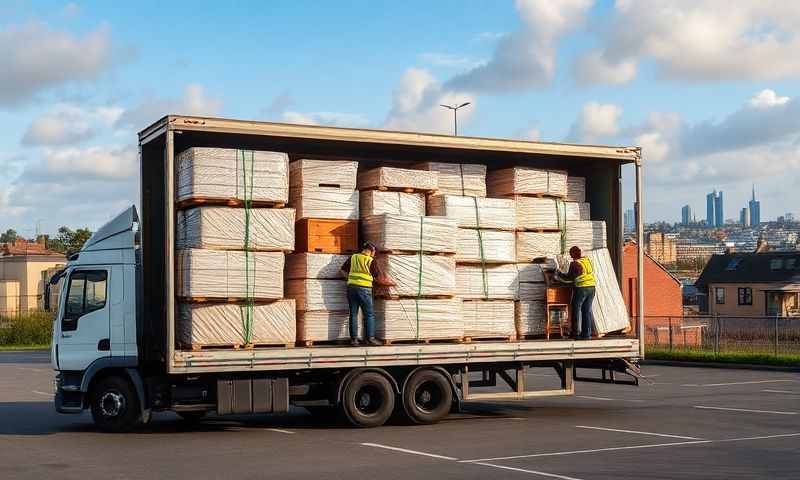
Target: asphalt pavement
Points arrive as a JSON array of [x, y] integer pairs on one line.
[[684, 423]]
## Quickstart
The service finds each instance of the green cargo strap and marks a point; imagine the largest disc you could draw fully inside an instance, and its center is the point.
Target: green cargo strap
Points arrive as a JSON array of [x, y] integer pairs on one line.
[[246, 311], [480, 249], [561, 221]]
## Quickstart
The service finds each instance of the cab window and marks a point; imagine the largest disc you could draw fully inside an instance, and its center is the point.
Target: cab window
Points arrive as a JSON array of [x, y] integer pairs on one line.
[[85, 294]]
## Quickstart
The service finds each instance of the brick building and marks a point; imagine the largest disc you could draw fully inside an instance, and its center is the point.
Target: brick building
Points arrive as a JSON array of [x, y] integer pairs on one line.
[[662, 247]]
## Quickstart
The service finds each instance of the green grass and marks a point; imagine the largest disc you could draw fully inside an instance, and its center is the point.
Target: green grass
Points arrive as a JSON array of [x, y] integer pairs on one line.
[[785, 359], [30, 329], [7, 348]]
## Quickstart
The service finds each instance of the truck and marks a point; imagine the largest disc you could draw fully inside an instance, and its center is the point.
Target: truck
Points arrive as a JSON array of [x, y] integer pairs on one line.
[[114, 348]]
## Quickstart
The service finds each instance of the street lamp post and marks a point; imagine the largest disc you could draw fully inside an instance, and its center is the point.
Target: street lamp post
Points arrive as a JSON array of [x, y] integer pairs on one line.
[[455, 108]]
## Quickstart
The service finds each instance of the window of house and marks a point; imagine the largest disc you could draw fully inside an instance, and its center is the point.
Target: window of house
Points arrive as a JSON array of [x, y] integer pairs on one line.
[[791, 263], [776, 264], [746, 296], [86, 293], [719, 295], [733, 264]]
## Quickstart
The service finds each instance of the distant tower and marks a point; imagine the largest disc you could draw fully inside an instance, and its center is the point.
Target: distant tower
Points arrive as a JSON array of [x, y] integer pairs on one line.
[[755, 209], [719, 211], [686, 215], [744, 217], [710, 201]]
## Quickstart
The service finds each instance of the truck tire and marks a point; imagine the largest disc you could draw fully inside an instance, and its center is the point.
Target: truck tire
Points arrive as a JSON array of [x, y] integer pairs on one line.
[[368, 400], [115, 405], [427, 397]]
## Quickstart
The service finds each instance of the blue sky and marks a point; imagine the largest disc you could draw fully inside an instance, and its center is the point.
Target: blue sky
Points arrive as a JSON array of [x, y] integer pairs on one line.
[[708, 88]]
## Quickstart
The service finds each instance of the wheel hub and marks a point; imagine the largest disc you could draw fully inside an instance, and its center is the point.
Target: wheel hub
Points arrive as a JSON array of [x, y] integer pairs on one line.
[[112, 403]]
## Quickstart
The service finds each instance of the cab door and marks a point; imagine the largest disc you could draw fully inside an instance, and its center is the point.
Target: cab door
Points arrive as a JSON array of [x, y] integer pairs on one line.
[[84, 326]]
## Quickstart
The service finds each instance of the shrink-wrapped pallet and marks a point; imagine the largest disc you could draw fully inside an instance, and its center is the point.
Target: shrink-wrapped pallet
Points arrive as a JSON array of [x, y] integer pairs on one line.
[[576, 189], [531, 272], [313, 294], [586, 235], [325, 203], [488, 318], [229, 274], [324, 326], [526, 181], [220, 173], [492, 213], [410, 233], [532, 291], [492, 282], [315, 265], [608, 308], [201, 325], [307, 173], [467, 179], [418, 319], [419, 275], [532, 245], [576, 211], [498, 246], [530, 317], [535, 213], [223, 228], [397, 178], [378, 202]]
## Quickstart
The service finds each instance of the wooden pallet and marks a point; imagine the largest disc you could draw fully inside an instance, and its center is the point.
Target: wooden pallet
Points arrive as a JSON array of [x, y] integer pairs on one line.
[[405, 341], [225, 202], [382, 296], [539, 195], [538, 230], [490, 338], [400, 189], [239, 346], [233, 300], [417, 252], [323, 343]]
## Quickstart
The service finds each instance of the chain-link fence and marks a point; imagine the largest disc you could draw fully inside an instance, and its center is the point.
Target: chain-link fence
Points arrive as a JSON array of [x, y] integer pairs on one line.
[[719, 335]]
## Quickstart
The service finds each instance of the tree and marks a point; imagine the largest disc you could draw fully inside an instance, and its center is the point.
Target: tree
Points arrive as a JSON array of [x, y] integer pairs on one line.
[[68, 241], [9, 236]]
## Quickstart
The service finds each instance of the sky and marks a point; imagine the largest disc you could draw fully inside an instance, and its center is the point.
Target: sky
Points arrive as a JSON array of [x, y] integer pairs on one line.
[[709, 88]]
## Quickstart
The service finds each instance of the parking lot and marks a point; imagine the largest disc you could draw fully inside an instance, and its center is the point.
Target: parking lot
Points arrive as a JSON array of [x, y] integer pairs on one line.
[[689, 423]]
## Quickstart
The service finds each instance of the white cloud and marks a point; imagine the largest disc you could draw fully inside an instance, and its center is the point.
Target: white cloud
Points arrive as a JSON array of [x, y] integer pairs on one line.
[[592, 68], [526, 58], [334, 119], [67, 124], [194, 101], [450, 61], [36, 58], [106, 162], [703, 40], [767, 98], [596, 122]]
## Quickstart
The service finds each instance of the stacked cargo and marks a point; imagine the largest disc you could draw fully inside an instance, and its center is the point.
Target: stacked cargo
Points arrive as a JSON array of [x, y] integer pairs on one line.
[[323, 191], [232, 235], [529, 311], [486, 274]]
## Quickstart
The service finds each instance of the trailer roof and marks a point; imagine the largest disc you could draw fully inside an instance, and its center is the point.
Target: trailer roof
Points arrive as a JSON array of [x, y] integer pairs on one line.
[[386, 137]]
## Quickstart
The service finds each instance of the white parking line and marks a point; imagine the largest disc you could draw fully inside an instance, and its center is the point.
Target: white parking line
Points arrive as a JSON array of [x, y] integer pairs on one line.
[[522, 470], [37, 392], [782, 391], [753, 382], [289, 432], [747, 410], [607, 399], [413, 452], [638, 432]]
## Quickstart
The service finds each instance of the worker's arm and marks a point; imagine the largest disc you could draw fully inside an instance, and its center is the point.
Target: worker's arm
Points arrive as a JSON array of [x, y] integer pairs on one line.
[[575, 270], [346, 267], [380, 278]]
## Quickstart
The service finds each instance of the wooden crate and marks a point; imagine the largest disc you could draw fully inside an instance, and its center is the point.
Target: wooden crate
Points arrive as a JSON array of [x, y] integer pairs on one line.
[[326, 236]]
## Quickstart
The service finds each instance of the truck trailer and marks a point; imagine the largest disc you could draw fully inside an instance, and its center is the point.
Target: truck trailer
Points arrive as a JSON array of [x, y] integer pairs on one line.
[[114, 342]]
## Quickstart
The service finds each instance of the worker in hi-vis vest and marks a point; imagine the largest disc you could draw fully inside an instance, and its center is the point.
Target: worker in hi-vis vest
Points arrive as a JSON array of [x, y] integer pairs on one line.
[[362, 271], [581, 273]]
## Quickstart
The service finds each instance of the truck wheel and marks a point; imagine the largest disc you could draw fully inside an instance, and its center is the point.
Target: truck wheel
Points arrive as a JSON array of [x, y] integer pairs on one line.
[[427, 397], [115, 406], [368, 400]]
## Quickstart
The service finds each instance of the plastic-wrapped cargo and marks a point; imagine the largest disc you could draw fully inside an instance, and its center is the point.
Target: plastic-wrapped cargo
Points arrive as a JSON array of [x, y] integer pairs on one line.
[[530, 317], [576, 189], [418, 319], [324, 203], [532, 245], [397, 178], [492, 213], [498, 246], [488, 318], [492, 282], [313, 294], [410, 233], [535, 213], [418, 275], [315, 265], [587, 235], [229, 274], [324, 326], [526, 181], [608, 308], [223, 228], [220, 173], [200, 325], [466, 179], [378, 202], [576, 211], [307, 173], [532, 272], [532, 291]]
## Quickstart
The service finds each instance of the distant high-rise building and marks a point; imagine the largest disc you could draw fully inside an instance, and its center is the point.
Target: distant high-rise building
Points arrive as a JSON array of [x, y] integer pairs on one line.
[[710, 208], [629, 220], [789, 217], [744, 217], [755, 209], [719, 211], [686, 215]]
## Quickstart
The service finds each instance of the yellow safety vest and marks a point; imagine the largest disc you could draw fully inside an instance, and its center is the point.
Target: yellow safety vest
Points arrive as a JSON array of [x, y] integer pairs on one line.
[[359, 270], [585, 279]]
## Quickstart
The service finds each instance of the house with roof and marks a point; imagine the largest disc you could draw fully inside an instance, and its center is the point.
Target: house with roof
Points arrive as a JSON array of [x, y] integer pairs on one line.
[[751, 284], [24, 268]]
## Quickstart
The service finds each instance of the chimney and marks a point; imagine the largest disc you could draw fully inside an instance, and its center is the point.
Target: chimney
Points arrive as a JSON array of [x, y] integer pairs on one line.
[[42, 240]]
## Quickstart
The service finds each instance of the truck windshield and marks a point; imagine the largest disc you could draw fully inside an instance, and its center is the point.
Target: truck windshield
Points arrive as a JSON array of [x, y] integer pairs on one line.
[[86, 293]]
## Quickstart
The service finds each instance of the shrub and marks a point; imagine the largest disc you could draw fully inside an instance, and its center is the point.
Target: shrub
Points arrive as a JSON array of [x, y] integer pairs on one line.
[[30, 328]]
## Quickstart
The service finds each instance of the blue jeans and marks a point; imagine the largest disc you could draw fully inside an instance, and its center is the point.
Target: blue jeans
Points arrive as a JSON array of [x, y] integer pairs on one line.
[[582, 318], [361, 297]]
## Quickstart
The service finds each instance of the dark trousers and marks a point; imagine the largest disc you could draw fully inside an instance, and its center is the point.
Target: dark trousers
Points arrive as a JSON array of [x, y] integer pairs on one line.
[[361, 297], [582, 318]]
